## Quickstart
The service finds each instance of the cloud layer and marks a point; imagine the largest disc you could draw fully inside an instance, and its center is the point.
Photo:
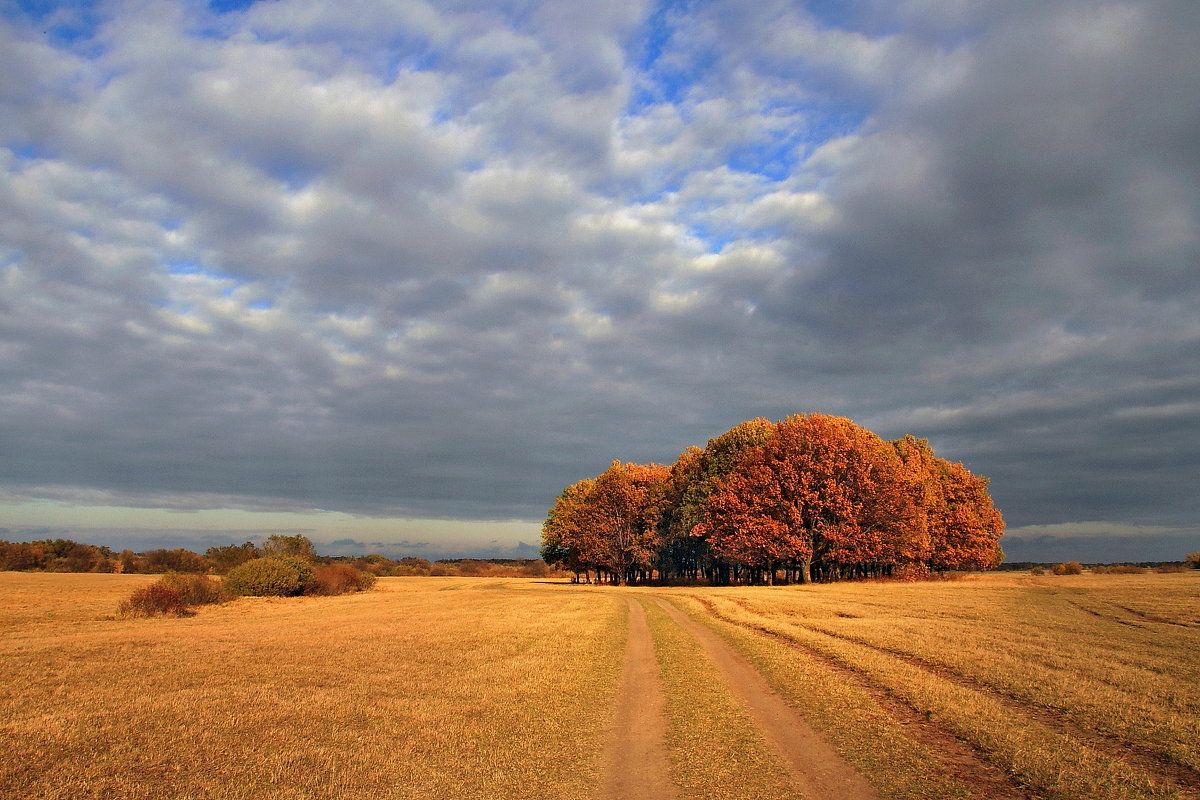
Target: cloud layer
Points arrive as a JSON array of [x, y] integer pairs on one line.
[[440, 260]]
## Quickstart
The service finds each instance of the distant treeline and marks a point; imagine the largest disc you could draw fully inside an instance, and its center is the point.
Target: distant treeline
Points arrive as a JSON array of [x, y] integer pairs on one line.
[[65, 555]]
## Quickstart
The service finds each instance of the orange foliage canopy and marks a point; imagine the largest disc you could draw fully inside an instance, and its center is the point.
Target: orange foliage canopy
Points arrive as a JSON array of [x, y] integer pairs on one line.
[[821, 488], [610, 522], [815, 495]]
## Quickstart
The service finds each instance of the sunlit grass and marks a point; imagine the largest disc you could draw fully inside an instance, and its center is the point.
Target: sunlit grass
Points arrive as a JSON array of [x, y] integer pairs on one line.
[[405, 691], [717, 752], [876, 743], [996, 661], [1077, 687]]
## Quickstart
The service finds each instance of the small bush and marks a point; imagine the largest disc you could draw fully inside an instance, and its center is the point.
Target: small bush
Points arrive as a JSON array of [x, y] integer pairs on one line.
[[270, 577], [910, 572], [1099, 569], [154, 600], [1166, 569], [1037, 571], [1192, 560], [1127, 569], [1067, 568], [196, 590], [333, 579]]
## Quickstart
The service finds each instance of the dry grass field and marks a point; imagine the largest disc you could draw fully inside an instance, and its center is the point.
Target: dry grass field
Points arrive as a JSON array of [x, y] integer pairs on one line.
[[998, 685], [423, 687], [995, 686]]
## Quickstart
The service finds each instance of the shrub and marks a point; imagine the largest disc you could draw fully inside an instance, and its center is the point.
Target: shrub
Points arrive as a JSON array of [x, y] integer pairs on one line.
[[910, 572], [1067, 568], [270, 577], [1037, 571], [196, 590], [226, 557], [1166, 569], [154, 600], [1192, 560], [281, 546], [1099, 569], [332, 579], [1127, 569]]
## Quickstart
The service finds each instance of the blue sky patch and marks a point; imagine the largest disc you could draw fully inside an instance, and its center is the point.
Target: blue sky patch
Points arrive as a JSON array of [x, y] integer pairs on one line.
[[225, 6]]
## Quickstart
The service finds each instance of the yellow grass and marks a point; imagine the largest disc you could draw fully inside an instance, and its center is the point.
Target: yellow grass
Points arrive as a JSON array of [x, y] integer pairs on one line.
[[1047, 677], [876, 743], [426, 687], [1075, 686], [716, 751]]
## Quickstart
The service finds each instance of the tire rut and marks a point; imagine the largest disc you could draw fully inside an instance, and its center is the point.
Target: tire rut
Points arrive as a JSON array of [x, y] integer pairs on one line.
[[1136, 756], [961, 758]]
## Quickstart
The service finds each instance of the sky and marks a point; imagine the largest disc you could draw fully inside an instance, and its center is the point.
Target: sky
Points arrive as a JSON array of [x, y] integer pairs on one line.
[[392, 273]]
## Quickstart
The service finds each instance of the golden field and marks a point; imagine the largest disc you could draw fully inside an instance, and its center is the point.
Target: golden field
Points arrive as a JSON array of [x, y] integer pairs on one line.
[[430, 687], [1066, 687], [992, 686]]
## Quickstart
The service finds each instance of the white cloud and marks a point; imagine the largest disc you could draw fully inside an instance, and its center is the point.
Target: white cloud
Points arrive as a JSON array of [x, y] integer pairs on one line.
[[1092, 529], [450, 258]]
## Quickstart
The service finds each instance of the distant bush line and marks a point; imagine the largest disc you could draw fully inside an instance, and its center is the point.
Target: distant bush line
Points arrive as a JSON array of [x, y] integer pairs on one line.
[[65, 555], [1102, 568], [1075, 568]]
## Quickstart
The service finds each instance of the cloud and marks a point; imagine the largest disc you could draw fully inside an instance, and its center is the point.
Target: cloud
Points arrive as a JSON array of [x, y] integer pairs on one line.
[[438, 262], [1099, 542]]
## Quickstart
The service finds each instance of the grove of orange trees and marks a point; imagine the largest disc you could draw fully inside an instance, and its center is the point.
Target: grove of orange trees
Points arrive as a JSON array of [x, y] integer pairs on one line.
[[810, 498]]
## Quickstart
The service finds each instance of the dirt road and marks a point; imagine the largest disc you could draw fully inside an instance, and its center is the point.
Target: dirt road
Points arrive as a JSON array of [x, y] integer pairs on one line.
[[636, 760], [637, 763], [817, 769]]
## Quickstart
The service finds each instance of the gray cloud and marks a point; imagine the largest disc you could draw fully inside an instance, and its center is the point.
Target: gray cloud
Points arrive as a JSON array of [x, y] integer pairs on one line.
[[442, 261]]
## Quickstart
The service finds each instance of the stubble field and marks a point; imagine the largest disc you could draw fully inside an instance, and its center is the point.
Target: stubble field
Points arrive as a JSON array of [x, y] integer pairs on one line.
[[1007, 686]]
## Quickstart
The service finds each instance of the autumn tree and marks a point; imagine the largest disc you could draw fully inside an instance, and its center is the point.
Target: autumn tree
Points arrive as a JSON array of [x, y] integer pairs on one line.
[[683, 553], [749, 521], [566, 537], [822, 491], [968, 536], [694, 477], [226, 557], [626, 504], [814, 495], [964, 526], [178, 559]]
